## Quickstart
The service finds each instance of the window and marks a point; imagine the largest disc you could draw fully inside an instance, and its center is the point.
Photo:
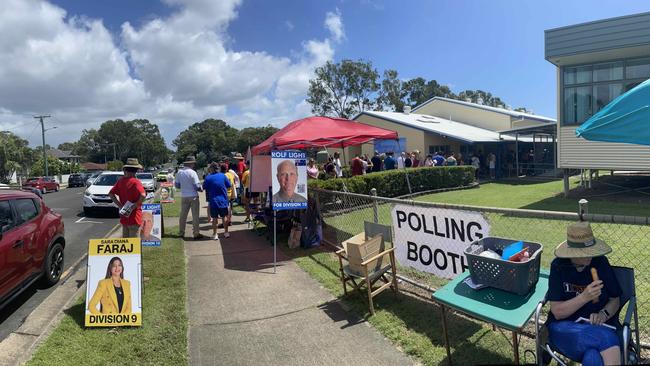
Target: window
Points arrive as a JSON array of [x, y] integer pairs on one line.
[[440, 149], [6, 216], [26, 209], [589, 88], [637, 69]]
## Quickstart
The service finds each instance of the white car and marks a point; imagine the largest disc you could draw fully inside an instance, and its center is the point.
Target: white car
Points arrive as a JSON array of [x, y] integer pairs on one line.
[[147, 180], [96, 196]]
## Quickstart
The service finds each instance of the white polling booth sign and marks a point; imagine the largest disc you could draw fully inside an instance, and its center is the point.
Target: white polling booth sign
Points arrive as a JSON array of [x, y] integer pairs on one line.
[[433, 239]]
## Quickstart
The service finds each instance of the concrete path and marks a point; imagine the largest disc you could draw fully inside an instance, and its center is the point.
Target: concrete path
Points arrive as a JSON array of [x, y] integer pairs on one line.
[[241, 313]]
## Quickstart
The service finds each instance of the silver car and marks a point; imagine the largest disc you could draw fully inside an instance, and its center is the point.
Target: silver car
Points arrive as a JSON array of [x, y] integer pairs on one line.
[[148, 181], [92, 178]]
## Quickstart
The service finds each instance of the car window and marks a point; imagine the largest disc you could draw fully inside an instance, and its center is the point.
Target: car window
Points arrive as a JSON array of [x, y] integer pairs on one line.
[[144, 176], [6, 216], [107, 180], [32, 180], [26, 209]]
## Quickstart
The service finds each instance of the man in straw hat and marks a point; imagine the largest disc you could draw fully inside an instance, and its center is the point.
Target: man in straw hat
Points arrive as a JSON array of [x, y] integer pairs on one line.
[[188, 182], [130, 195], [583, 284]]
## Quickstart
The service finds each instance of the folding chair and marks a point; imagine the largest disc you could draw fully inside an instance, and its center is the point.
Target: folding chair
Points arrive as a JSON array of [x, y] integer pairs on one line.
[[364, 262], [629, 347]]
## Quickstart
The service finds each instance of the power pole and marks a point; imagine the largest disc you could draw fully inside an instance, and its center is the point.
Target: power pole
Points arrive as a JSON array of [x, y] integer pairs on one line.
[[43, 135]]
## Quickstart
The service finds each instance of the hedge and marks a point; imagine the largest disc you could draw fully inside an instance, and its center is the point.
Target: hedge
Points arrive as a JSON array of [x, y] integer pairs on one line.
[[392, 183]]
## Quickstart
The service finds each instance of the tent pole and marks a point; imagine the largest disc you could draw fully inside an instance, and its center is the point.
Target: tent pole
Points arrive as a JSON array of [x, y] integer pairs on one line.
[[275, 239]]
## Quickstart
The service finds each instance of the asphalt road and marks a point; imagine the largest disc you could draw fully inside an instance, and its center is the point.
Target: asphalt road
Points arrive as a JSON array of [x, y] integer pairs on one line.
[[78, 229]]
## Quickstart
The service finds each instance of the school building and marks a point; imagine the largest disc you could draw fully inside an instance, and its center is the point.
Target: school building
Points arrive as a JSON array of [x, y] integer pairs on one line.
[[596, 62], [522, 142]]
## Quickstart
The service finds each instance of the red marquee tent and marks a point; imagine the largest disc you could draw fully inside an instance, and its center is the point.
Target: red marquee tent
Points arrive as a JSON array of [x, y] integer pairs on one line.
[[322, 132]]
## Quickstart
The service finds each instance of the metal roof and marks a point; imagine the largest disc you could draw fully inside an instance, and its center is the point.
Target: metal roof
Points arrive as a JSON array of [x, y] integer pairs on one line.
[[515, 114], [443, 127]]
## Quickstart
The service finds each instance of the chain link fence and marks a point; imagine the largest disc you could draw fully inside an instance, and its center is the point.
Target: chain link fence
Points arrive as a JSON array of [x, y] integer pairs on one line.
[[344, 215]]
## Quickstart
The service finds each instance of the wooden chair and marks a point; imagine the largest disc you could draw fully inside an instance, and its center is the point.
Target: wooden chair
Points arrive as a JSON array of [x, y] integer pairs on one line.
[[364, 262]]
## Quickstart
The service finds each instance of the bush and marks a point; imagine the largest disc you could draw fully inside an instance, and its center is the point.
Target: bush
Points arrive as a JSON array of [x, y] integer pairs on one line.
[[392, 183]]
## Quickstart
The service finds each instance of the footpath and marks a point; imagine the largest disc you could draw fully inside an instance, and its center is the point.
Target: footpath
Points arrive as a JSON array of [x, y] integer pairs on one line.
[[241, 313]]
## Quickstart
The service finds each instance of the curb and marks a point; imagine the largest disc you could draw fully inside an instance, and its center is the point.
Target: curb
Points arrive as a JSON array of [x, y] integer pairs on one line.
[[19, 347]]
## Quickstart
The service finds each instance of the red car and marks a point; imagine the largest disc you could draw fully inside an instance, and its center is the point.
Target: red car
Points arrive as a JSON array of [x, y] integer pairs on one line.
[[43, 184], [31, 243]]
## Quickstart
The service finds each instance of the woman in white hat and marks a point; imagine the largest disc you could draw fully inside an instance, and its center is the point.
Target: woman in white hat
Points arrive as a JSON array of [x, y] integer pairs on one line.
[[583, 284]]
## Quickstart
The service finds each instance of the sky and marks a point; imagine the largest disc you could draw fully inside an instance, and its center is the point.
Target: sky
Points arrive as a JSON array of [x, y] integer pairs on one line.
[[248, 62]]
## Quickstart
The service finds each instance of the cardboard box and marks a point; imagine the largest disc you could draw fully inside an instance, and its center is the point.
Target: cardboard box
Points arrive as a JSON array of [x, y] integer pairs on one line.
[[358, 250]]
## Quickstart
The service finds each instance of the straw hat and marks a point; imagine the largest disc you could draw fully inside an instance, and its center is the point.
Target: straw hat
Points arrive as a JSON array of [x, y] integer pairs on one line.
[[581, 243], [132, 163], [190, 160], [239, 156]]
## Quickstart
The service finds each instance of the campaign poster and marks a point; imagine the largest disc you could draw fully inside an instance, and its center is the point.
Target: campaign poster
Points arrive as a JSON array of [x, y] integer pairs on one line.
[[289, 178], [151, 229], [114, 283], [434, 240], [167, 192]]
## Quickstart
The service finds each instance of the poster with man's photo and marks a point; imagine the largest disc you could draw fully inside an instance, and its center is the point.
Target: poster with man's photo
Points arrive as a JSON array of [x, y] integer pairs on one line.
[[289, 170], [151, 229], [113, 283]]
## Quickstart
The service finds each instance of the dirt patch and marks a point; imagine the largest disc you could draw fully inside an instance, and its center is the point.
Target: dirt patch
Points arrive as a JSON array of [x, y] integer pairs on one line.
[[628, 188]]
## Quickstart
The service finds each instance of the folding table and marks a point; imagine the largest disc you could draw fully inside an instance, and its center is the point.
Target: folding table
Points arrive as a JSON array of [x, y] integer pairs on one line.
[[504, 309]]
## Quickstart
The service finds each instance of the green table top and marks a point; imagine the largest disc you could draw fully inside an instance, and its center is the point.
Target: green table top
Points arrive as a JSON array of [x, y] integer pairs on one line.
[[505, 309]]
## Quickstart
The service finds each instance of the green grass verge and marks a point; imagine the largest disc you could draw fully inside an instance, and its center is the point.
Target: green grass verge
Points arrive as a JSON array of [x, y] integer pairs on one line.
[[172, 209], [162, 339]]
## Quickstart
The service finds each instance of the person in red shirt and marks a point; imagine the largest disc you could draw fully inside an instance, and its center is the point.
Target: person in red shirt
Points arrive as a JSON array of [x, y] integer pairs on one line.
[[241, 165], [357, 166], [129, 189]]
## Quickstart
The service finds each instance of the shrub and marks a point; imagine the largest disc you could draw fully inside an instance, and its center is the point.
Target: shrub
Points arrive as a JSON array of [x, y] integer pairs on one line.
[[392, 183]]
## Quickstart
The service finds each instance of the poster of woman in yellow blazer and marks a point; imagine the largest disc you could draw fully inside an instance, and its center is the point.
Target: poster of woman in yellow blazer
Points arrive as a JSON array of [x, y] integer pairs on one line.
[[113, 293]]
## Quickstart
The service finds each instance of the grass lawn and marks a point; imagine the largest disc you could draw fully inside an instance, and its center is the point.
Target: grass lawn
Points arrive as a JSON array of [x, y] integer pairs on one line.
[[172, 209], [162, 339], [545, 196]]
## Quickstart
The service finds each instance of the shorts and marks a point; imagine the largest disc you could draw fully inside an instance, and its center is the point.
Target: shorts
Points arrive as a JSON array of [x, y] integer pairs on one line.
[[576, 340], [218, 212]]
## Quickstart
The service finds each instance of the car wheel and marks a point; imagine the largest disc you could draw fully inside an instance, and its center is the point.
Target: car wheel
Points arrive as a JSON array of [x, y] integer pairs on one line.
[[53, 265], [57, 188], [44, 190]]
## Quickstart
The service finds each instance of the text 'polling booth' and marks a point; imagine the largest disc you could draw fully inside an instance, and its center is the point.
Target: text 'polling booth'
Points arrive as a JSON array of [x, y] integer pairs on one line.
[[434, 239]]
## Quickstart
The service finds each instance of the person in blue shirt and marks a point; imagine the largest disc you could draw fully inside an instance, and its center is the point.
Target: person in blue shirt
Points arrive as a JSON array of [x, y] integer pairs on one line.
[[438, 159], [216, 186], [389, 162], [582, 284]]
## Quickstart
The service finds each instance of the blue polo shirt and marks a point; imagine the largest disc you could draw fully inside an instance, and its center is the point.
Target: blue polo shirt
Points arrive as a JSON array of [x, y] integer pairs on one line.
[[389, 163], [216, 186], [438, 160], [565, 283]]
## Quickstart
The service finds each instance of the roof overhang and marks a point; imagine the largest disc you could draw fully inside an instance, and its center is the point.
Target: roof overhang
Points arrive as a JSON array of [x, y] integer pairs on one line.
[[601, 55], [541, 129]]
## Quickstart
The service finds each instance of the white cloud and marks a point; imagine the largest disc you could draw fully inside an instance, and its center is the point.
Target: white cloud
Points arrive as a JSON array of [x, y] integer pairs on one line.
[[334, 24], [289, 25], [173, 71]]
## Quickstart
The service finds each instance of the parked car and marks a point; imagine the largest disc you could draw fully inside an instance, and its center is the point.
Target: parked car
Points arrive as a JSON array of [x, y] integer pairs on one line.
[[161, 176], [96, 196], [43, 184], [92, 178], [148, 181], [32, 243], [76, 180]]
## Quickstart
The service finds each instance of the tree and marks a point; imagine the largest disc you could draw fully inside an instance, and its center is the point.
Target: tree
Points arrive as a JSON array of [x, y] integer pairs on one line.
[[213, 137], [16, 156], [67, 146], [343, 89], [54, 167], [481, 97], [114, 165], [392, 92], [251, 136]]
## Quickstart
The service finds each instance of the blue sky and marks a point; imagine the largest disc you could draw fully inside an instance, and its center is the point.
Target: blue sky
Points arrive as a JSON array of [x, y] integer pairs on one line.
[[496, 46]]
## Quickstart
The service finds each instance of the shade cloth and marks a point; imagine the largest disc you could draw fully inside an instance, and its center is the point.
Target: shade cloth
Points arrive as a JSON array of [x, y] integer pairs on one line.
[[322, 132], [625, 119]]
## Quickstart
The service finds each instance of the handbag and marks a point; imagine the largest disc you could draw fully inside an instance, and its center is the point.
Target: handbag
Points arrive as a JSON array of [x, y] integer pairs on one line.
[[294, 236]]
